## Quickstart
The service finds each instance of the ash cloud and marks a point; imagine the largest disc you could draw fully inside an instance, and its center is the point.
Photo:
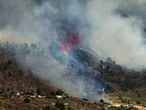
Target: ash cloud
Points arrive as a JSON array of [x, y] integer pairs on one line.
[[109, 28]]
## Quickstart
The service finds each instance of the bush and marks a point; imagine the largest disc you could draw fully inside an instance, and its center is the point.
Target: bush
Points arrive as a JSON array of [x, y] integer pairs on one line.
[[26, 100], [124, 99], [60, 105], [47, 107], [7, 106], [101, 101], [138, 101]]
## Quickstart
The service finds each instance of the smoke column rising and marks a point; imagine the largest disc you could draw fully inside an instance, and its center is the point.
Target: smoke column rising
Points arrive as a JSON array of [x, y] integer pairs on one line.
[[110, 28]]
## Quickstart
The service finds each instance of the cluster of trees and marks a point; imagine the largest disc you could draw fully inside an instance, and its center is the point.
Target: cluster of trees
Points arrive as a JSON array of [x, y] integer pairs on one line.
[[23, 49], [116, 74], [58, 106], [120, 108], [123, 99]]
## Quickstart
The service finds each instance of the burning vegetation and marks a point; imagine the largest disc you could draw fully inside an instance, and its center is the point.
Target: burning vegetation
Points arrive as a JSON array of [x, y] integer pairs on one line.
[[72, 54], [20, 86]]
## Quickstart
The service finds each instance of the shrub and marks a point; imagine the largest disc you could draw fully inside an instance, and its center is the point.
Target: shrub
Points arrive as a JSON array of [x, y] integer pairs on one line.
[[47, 107], [60, 105], [138, 101], [26, 100]]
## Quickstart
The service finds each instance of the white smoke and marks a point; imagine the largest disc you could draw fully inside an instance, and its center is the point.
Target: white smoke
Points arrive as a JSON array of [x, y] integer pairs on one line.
[[100, 23], [112, 35], [47, 23]]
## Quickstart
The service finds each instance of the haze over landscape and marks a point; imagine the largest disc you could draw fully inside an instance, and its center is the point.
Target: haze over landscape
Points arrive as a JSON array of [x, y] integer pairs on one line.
[[89, 49]]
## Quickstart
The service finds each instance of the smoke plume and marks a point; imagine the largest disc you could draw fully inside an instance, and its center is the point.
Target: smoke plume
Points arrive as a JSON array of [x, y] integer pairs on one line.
[[117, 31], [112, 29]]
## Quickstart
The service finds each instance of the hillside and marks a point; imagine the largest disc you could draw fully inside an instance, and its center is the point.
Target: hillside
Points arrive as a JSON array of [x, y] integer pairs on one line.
[[128, 86], [20, 89]]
